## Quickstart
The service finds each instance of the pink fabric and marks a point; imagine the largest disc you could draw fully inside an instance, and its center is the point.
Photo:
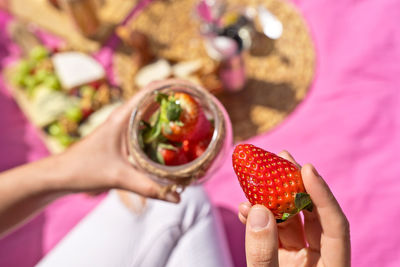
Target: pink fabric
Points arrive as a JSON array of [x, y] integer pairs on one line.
[[348, 126]]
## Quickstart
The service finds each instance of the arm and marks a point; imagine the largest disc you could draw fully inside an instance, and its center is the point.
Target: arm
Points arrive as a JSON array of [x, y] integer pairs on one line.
[[98, 162], [26, 189]]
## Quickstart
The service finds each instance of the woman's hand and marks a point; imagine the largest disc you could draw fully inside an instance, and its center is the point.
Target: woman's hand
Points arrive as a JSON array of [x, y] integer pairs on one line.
[[323, 240], [100, 161]]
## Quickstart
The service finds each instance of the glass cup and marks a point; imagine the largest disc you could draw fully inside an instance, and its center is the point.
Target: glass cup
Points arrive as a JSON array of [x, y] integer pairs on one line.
[[176, 178]]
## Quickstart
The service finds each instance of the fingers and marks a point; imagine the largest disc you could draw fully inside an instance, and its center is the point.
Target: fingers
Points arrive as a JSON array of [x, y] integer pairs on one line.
[[134, 181], [332, 219], [312, 229], [286, 155], [242, 219], [244, 209], [328, 218], [291, 235], [261, 238]]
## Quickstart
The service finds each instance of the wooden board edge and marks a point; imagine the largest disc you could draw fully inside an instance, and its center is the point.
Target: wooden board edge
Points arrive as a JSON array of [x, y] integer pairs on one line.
[[24, 104]]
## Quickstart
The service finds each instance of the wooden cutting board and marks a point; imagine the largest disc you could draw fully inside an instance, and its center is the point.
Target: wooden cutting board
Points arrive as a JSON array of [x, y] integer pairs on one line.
[[48, 17]]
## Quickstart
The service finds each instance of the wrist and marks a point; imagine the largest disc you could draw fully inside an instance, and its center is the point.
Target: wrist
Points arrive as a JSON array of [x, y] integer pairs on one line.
[[37, 179], [59, 174], [49, 176]]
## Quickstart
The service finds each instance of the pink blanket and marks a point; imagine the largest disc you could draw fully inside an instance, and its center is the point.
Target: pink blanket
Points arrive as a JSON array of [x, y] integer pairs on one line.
[[348, 126]]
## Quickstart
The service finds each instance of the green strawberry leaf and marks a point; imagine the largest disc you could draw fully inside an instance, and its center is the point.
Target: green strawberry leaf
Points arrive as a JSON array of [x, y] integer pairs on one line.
[[151, 151], [160, 158], [154, 118], [286, 216], [170, 109], [173, 110], [179, 123], [153, 133], [160, 97], [167, 146], [302, 201], [163, 111], [166, 128], [162, 139], [309, 207]]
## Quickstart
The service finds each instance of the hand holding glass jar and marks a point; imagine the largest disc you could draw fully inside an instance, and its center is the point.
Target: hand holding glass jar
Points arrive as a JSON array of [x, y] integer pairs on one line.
[[112, 156]]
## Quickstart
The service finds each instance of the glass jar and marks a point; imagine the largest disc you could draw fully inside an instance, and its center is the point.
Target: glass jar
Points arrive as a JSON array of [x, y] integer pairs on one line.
[[178, 177]]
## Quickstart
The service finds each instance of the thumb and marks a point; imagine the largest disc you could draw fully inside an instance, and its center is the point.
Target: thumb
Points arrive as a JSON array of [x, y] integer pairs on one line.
[[261, 238], [137, 182]]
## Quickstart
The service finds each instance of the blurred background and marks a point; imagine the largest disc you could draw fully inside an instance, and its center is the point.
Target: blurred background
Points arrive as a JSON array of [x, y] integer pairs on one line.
[[317, 78]]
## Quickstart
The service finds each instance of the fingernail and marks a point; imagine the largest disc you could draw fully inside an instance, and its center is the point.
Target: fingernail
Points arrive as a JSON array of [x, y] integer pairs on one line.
[[258, 218], [172, 197]]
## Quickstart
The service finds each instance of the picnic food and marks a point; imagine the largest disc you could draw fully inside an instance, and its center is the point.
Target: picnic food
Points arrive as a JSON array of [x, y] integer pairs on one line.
[[177, 132], [270, 180], [76, 69], [36, 70], [62, 90]]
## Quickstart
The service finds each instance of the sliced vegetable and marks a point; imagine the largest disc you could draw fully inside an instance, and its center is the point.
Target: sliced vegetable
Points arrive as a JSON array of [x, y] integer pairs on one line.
[[51, 81], [38, 53], [55, 129], [41, 75], [25, 67], [74, 114]]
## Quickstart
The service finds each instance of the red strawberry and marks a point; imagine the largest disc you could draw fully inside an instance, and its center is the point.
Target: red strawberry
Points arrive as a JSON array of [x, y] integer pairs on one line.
[[202, 128], [192, 124], [172, 157], [194, 149], [270, 180]]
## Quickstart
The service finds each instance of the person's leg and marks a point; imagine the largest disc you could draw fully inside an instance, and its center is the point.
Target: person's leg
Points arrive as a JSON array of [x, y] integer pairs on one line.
[[203, 243], [164, 233]]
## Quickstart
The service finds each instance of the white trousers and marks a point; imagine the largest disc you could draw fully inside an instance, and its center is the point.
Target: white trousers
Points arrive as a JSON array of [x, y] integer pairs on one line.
[[164, 234]]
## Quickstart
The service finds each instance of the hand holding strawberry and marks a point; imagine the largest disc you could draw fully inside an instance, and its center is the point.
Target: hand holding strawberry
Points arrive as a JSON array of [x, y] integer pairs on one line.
[[322, 239], [270, 180]]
